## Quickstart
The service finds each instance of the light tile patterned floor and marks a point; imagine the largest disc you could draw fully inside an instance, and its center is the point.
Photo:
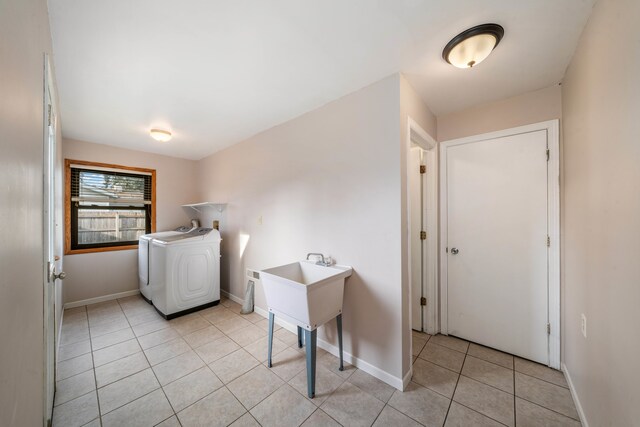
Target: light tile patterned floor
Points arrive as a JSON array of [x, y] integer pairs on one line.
[[121, 364]]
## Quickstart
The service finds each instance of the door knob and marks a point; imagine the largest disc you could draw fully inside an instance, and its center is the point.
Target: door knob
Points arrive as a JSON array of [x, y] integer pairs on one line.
[[454, 251], [60, 275]]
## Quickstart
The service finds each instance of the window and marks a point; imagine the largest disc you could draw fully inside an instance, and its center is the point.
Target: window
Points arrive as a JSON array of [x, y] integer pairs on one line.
[[107, 207]]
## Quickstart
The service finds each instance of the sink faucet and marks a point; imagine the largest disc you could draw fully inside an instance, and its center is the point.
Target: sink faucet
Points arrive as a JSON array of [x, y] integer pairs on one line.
[[323, 262]]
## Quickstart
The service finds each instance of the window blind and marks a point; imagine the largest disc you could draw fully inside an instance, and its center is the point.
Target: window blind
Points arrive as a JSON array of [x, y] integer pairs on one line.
[[110, 187]]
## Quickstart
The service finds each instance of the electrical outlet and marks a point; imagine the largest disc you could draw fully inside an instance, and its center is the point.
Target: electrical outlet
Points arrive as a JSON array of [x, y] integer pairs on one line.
[[260, 220], [253, 274], [583, 325]]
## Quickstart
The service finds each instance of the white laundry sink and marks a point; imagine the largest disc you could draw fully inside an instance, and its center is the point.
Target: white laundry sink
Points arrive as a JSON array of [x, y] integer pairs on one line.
[[305, 293]]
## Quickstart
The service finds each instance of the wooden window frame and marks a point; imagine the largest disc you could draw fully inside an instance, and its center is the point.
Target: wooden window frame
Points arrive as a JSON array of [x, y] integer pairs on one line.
[[67, 204]]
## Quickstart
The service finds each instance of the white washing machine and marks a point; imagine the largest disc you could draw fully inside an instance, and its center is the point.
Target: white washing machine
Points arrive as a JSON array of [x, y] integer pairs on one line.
[[184, 273], [144, 256]]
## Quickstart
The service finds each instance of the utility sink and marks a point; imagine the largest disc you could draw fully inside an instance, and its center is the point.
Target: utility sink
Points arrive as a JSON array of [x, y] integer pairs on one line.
[[305, 293]]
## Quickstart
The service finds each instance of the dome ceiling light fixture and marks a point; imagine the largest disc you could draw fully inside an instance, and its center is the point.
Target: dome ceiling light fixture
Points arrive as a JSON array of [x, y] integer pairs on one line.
[[472, 46], [160, 135]]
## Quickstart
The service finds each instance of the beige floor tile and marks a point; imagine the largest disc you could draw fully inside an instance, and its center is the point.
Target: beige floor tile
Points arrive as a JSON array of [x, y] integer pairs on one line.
[[75, 366], [417, 345], [217, 349], [233, 307], [105, 318], [94, 423], [76, 386], [232, 324], [108, 327], [421, 404], [488, 373], [264, 325], [110, 339], [203, 336], [233, 365], [351, 406], [219, 315], [490, 355], [326, 383], [545, 394], [434, 377], [187, 324], [378, 389], [287, 337], [172, 369], [126, 390], [255, 385], [246, 420], [70, 351], [541, 372], [259, 348], [139, 317], [391, 417], [248, 335], [442, 356], [320, 419], [158, 337], [191, 388], [531, 415], [166, 351], [485, 399], [114, 371], [461, 416], [148, 327], [220, 408], [76, 412], [115, 352], [170, 422], [74, 335], [110, 305], [288, 363], [148, 410], [450, 342], [332, 363], [285, 407], [252, 317]]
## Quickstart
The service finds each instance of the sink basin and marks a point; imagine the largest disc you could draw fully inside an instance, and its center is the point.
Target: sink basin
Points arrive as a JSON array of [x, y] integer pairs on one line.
[[305, 293]]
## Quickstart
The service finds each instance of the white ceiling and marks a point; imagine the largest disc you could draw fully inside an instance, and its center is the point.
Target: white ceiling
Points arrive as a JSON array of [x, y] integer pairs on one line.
[[217, 72]]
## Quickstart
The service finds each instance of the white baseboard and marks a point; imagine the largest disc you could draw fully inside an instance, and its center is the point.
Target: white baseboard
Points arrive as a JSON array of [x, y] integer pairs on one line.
[[100, 299], [398, 383], [574, 395]]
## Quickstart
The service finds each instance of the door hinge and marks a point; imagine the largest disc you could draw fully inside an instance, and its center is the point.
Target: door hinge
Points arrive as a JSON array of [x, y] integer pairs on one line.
[[548, 241], [548, 328], [547, 154], [423, 235], [49, 115], [423, 301], [423, 169]]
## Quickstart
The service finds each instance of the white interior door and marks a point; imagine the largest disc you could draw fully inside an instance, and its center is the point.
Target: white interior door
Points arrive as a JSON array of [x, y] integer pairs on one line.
[[497, 228], [416, 225], [50, 276]]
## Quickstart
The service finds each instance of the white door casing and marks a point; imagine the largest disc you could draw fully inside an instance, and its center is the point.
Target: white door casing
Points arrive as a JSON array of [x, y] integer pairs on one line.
[[504, 277], [417, 245], [425, 218], [49, 226]]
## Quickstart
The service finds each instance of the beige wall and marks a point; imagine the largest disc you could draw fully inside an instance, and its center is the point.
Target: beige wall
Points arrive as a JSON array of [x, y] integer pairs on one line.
[[104, 273], [411, 105], [601, 215], [327, 181], [24, 38], [532, 107]]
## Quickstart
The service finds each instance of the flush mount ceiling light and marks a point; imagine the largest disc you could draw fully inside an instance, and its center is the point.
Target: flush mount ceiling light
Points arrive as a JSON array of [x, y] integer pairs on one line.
[[471, 47], [160, 135]]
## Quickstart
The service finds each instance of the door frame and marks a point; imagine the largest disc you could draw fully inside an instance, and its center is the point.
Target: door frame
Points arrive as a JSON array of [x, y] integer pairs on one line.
[[417, 135], [552, 127], [49, 239]]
